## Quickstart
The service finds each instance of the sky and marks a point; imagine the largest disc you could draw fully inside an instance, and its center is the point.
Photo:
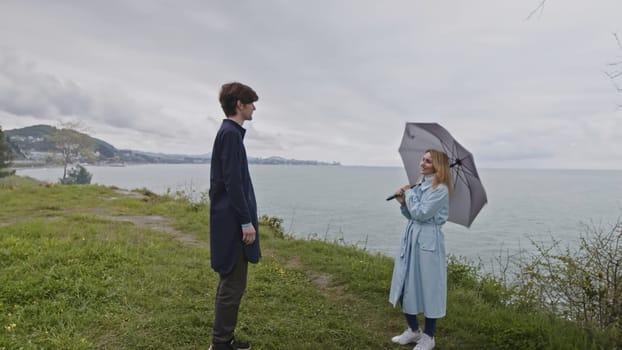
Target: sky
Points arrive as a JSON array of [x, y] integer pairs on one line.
[[337, 80]]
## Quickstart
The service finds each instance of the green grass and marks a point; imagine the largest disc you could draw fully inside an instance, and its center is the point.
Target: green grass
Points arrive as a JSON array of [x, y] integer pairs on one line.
[[91, 267], [12, 181]]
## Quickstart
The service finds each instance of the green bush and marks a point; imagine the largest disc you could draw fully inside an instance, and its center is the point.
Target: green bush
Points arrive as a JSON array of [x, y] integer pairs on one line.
[[583, 285], [5, 156], [275, 223], [77, 175], [5, 173]]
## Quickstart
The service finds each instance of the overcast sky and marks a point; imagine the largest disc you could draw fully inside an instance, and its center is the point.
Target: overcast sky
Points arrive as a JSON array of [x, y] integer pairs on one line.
[[336, 80]]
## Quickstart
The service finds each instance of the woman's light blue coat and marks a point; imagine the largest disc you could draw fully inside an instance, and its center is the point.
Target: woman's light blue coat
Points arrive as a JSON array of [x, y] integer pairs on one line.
[[419, 280]]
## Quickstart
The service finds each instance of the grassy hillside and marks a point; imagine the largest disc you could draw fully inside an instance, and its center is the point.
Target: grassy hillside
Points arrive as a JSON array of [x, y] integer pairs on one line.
[[91, 267]]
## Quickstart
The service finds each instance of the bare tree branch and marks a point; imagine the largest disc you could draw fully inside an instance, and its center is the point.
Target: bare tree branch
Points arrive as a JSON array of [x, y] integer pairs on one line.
[[615, 85], [539, 8], [615, 74], [615, 35]]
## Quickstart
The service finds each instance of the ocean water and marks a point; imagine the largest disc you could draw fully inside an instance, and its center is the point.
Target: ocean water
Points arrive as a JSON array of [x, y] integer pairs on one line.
[[347, 203]]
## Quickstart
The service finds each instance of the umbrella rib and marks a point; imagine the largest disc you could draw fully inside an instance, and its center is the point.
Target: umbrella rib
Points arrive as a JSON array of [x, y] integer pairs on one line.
[[464, 168], [460, 176], [467, 170], [450, 148]]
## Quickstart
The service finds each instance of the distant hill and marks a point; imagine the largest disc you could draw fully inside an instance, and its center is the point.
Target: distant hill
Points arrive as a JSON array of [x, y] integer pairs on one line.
[[39, 138], [14, 150], [33, 145], [33, 138]]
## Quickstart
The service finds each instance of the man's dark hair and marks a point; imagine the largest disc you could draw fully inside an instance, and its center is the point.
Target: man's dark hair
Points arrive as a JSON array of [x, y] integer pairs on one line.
[[231, 93]]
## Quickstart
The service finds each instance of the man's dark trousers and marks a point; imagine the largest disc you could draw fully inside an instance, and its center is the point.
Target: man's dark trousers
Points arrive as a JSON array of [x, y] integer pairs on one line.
[[228, 297]]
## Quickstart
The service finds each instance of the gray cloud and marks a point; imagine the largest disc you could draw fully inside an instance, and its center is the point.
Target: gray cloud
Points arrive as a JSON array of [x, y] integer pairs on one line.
[[337, 80], [23, 91], [26, 91]]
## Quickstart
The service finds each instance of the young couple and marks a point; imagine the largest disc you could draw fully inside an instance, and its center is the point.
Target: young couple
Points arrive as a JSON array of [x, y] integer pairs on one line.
[[419, 280]]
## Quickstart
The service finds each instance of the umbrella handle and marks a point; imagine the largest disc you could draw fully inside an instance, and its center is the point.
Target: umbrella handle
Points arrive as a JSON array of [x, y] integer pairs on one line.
[[393, 196]]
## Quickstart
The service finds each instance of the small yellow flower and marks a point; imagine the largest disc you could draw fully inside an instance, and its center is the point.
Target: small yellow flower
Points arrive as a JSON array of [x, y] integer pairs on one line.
[[10, 327]]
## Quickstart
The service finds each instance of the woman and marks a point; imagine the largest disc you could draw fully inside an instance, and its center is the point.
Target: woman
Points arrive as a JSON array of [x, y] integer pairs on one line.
[[419, 280]]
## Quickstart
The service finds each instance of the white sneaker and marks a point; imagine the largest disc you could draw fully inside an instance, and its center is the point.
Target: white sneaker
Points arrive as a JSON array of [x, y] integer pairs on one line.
[[425, 342], [407, 337]]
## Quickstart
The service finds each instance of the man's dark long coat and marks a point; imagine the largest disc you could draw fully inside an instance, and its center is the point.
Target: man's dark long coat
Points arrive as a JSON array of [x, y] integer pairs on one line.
[[232, 199]]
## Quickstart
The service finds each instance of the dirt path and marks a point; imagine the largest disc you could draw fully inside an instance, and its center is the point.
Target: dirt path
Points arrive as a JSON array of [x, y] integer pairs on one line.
[[157, 223]]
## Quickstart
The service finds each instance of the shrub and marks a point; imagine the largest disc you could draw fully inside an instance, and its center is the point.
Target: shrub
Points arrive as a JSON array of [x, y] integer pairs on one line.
[[5, 173], [583, 285], [5, 156], [275, 223], [77, 175]]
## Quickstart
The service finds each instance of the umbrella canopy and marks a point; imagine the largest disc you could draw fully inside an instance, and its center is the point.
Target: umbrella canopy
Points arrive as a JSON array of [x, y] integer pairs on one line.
[[469, 195]]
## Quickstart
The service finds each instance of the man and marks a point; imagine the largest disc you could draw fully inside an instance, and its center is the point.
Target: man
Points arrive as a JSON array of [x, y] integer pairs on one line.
[[233, 213]]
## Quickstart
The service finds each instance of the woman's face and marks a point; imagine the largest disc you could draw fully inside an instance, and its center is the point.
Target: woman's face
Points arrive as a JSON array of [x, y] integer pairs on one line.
[[426, 166]]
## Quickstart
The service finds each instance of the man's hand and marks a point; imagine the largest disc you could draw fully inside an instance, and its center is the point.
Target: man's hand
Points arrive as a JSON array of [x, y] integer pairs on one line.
[[248, 234]]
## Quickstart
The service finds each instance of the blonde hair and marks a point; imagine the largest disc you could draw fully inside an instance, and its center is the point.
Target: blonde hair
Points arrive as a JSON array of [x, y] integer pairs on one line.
[[442, 171]]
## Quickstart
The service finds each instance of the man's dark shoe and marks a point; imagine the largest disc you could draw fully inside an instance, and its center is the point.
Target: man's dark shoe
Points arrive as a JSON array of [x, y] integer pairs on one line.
[[231, 345], [238, 345]]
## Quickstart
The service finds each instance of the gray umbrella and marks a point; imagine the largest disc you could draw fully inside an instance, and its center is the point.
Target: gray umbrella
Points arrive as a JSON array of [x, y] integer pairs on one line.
[[469, 195]]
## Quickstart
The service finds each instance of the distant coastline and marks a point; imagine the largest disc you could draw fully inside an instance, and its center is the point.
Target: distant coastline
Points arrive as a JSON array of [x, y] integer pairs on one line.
[[33, 146], [284, 161]]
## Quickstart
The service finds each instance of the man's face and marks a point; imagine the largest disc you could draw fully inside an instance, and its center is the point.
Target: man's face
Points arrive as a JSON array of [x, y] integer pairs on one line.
[[246, 110]]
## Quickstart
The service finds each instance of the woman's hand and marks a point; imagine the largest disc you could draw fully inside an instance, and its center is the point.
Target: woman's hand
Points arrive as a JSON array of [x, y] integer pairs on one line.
[[399, 195]]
